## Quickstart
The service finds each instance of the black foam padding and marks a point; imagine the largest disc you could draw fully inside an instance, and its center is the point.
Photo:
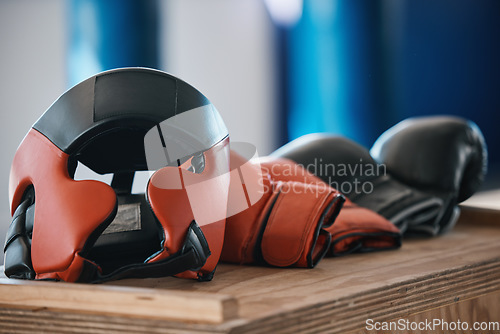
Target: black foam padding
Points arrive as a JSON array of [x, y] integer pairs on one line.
[[17, 249], [113, 250], [192, 256], [105, 117]]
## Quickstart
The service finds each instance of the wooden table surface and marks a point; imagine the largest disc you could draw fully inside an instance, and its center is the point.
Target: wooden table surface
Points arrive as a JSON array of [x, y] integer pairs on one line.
[[453, 273]]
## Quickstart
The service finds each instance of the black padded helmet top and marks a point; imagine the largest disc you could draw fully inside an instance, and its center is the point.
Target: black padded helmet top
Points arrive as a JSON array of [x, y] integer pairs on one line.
[[102, 120]]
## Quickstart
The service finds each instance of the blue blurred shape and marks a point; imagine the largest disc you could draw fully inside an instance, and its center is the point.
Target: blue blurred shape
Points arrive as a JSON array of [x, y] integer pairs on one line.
[[106, 34], [336, 78], [357, 67]]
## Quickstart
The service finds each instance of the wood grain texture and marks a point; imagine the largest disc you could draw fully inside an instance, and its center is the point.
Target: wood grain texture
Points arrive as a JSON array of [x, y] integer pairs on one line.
[[335, 297], [482, 310], [115, 300]]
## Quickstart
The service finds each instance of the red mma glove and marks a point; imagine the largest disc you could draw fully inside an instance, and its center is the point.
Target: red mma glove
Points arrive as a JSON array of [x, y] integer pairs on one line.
[[356, 229], [277, 223]]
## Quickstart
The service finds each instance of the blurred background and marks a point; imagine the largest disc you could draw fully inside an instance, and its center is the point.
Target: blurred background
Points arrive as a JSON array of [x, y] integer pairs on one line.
[[275, 69]]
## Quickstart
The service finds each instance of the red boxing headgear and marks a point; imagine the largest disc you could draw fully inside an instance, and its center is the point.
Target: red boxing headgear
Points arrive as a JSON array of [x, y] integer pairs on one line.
[[120, 122]]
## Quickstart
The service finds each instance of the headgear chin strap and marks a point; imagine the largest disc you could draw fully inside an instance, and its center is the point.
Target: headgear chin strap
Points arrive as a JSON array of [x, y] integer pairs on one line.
[[120, 122]]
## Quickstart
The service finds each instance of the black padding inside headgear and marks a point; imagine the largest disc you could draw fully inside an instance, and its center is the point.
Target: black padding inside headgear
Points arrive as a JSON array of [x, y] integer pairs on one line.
[[103, 119], [120, 149], [116, 249]]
